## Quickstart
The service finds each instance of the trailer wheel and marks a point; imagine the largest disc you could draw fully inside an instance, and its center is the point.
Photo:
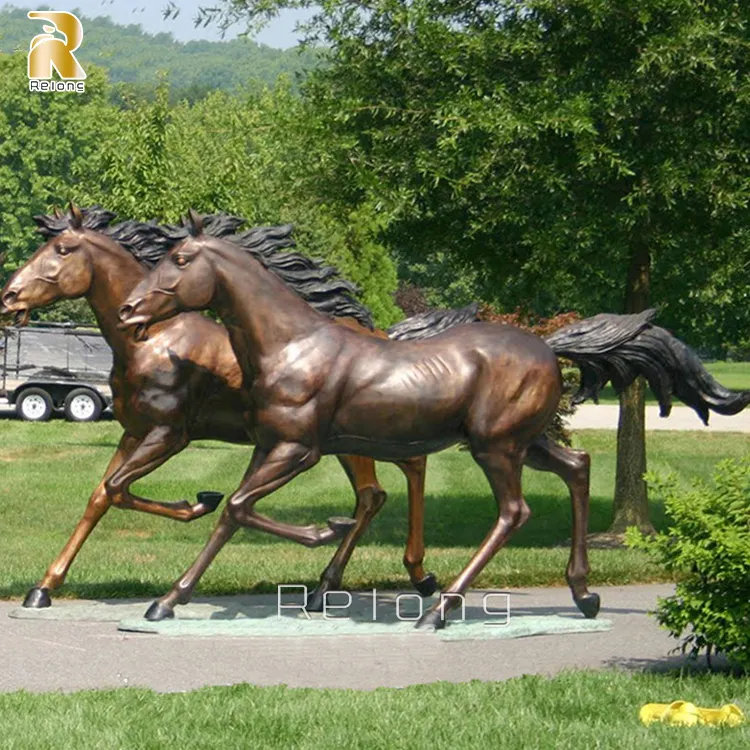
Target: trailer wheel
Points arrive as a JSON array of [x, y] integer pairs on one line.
[[82, 405], [34, 405]]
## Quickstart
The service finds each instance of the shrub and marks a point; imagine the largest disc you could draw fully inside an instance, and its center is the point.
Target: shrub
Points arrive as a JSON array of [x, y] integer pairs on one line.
[[411, 299], [707, 549]]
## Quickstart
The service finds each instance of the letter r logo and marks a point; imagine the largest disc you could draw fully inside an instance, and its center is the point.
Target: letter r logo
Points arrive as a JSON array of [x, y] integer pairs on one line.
[[48, 52]]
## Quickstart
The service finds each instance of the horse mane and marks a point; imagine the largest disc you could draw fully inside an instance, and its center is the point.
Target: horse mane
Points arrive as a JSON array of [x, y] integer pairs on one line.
[[319, 284], [148, 242], [95, 218]]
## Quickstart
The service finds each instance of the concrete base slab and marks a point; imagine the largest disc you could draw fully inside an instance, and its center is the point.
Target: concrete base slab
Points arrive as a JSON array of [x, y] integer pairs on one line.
[[358, 614], [295, 627]]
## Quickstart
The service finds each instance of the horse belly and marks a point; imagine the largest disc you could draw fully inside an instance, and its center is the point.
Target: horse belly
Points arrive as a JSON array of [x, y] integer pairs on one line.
[[393, 423]]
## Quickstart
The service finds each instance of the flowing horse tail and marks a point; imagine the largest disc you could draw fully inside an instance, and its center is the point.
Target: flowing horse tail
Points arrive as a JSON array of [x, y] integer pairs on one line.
[[429, 324], [619, 348]]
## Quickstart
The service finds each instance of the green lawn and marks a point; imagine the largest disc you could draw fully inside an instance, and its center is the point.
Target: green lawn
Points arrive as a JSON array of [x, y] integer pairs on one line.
[[48, 471], [733, 375], [571, 711]]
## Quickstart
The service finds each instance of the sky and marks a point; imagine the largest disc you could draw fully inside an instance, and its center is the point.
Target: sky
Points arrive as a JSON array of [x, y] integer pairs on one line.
[[148, 13]]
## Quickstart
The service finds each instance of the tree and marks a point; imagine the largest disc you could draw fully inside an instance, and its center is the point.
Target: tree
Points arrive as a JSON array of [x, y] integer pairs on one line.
[[576, 154], [131, 54], [253, 154], [42, 137]]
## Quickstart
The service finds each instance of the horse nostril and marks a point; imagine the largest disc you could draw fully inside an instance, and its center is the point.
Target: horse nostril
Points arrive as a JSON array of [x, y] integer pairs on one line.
[[125, 311], [9, 297]]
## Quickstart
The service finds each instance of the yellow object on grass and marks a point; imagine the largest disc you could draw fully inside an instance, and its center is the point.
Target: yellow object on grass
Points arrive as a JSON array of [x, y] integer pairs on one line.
[[682, 713]]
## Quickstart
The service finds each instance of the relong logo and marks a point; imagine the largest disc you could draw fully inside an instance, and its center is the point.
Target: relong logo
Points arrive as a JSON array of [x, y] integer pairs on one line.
[[48, 53]]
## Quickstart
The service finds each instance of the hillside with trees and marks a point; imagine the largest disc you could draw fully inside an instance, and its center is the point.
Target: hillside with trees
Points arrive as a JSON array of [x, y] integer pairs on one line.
[[132, 56]]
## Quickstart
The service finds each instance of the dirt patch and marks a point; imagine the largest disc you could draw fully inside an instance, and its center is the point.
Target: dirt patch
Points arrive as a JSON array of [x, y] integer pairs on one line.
[[133, 534], [145, 558], [42, 453]]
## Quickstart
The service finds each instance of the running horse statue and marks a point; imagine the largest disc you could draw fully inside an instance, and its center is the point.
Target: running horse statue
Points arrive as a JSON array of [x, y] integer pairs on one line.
[[184, 383], [315, 388]]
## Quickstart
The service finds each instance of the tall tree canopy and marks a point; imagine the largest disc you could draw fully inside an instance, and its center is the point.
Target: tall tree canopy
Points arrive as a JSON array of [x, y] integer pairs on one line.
[[255, 153], [571, 154], [557, 148], [41, 140]]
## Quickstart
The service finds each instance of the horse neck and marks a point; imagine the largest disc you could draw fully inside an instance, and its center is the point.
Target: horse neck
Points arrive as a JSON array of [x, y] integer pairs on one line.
[[261, 313], [116, 274]]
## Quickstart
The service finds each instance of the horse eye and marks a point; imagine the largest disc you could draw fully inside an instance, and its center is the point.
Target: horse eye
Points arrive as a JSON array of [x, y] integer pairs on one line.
[[62, 250], [181, 261]]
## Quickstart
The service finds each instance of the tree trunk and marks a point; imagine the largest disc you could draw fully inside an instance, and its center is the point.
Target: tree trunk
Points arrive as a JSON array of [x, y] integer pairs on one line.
[[631, 498]]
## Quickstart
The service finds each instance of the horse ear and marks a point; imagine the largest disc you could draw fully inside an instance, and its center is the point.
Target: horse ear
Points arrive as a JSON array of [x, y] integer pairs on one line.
[[58, 213], [196, 221], [76, 220]]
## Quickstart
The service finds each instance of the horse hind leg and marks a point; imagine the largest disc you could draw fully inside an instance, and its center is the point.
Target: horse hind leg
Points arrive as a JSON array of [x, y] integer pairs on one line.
[[502, 464], [370, 499], [574, 468], [415, 470]]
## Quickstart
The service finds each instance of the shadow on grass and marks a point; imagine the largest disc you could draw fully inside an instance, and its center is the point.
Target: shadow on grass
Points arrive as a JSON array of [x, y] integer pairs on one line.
[[680, 665], [105, 590], [460, 521]]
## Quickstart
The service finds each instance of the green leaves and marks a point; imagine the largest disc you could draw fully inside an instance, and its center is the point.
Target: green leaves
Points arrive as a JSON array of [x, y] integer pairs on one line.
[[707, 547], [542, 143], [42, 138]]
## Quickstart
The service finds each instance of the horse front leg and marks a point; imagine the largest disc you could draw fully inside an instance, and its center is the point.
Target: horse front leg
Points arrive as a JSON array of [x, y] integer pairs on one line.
[[159, 445], [370, 499], [267, 472], [502, 464], [274, 469], [98, 504]]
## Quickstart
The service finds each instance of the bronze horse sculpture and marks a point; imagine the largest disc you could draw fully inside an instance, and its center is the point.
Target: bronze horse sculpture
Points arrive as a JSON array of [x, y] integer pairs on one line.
[[167, 389], [316, 388], [184, 384]]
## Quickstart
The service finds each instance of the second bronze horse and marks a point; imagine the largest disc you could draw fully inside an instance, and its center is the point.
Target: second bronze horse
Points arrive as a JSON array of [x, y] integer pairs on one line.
[[184, 384], [316, 388]]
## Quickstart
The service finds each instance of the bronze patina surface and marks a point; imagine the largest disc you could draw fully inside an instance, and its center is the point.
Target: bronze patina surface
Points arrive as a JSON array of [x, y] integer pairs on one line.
[[184, 383], [314, 388]]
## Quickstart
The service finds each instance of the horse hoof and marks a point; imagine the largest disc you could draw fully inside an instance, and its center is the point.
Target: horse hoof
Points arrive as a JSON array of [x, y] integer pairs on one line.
[[427, 586], [315, 601], [340, 525], [159, 611], [37, 598], [210, 499], [430, 620], [589, 605]]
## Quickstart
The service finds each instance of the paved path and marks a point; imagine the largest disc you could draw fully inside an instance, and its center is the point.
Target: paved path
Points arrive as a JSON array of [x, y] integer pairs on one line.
[[604, 417], [69, 655]]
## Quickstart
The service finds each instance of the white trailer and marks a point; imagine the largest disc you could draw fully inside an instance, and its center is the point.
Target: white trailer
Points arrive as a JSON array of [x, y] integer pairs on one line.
[[55, 367]]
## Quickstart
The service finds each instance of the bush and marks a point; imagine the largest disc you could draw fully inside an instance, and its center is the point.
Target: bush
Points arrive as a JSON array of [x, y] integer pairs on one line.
[[411, 299], [707, 549]]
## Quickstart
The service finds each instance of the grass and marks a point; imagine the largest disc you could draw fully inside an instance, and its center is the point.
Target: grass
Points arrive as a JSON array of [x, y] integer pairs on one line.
[[48, 471], [568, 712], [732, 375]]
